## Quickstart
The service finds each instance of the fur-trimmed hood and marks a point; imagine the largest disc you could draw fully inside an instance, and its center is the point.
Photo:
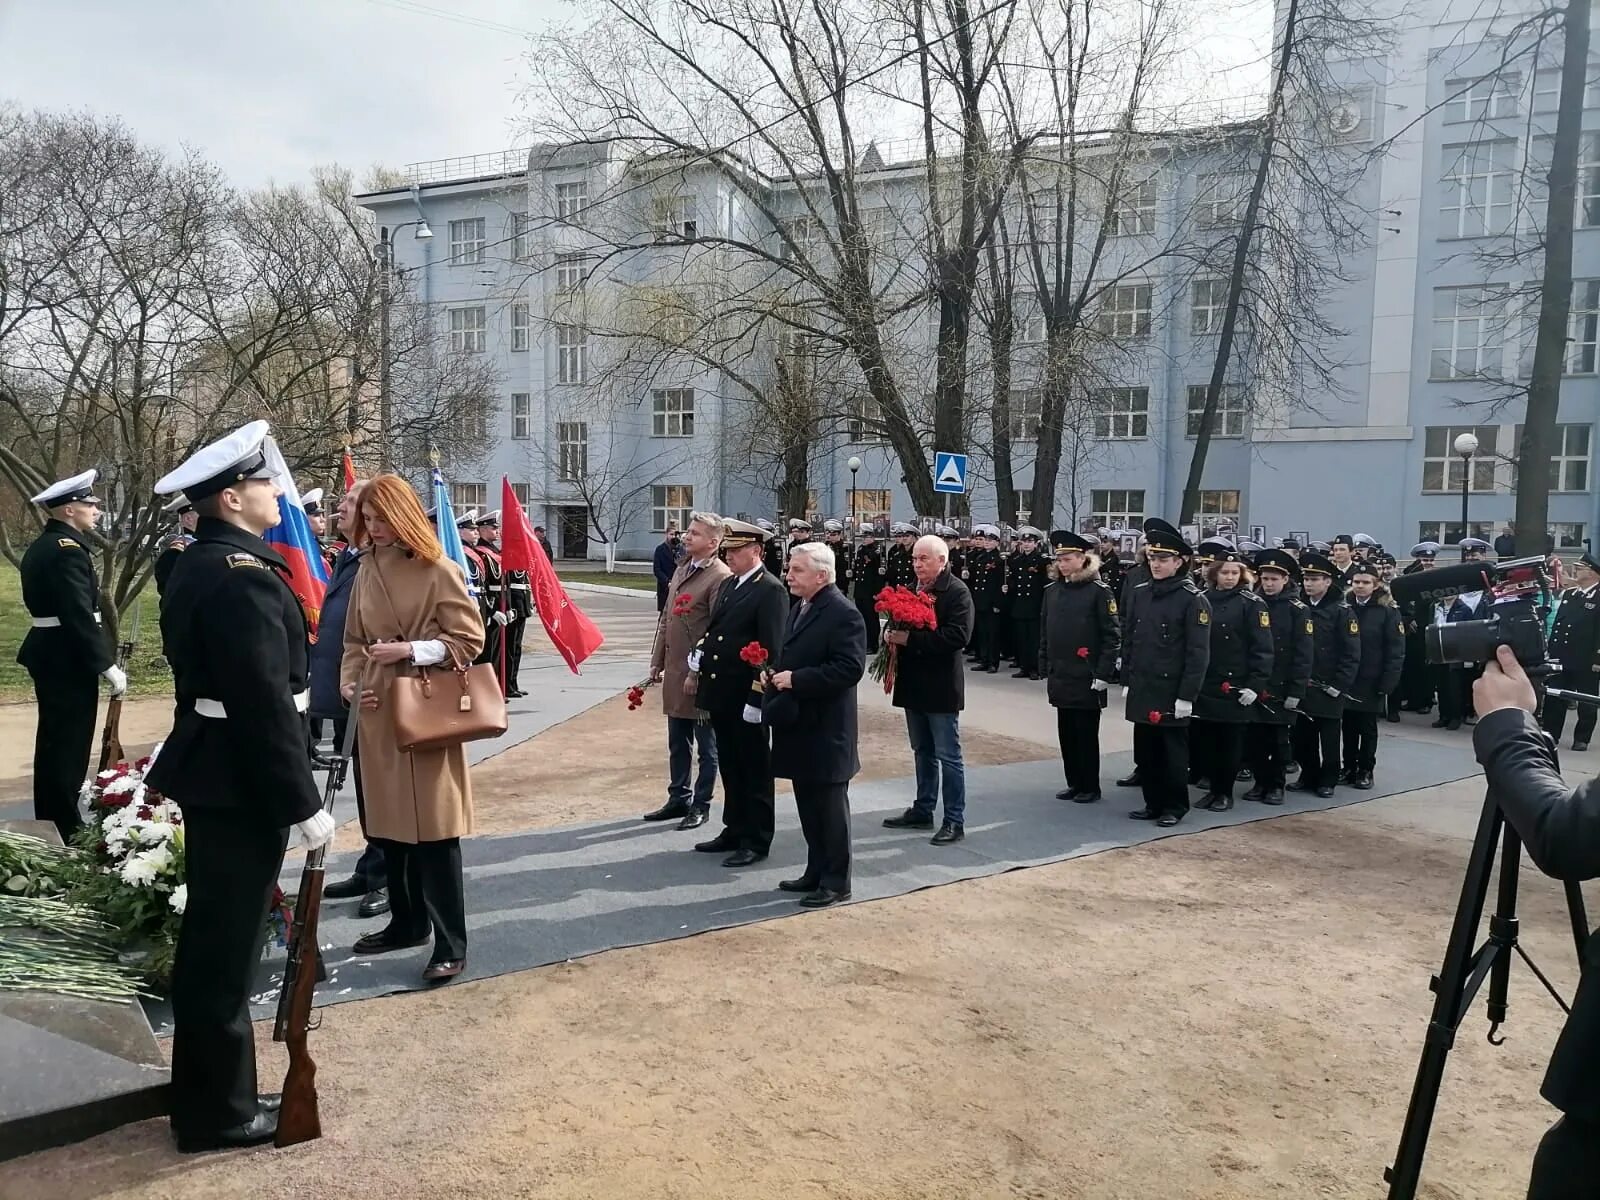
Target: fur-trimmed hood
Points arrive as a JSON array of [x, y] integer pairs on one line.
[[1089, 574]]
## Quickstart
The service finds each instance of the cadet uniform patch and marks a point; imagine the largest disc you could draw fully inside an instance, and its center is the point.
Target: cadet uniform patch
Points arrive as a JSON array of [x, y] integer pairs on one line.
[[1113, 609], [1203, 617], [1354, 628], [245, 560], [67, 543], [1310, 628], [1266, 621]]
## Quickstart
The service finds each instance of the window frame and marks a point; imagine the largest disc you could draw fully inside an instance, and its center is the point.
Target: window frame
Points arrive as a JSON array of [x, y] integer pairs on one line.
[[1125, 516], [466, 249], [672, 412], [571, 200], [664, 510], [1487, 348], [572, 451], [1483, 465], [521, 416], [572, 354], [1136, 418], [1026, 413], [1465, 170], [521, 326], [1112, 314], [465, 338], [1233, 411]]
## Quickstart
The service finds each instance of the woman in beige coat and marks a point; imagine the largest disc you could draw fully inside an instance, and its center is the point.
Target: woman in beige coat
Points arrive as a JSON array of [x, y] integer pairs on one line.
[[410, 608]]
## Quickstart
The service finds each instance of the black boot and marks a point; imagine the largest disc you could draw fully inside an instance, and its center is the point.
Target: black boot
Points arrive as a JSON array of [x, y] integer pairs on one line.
[[1256, 793], [1131, 780]]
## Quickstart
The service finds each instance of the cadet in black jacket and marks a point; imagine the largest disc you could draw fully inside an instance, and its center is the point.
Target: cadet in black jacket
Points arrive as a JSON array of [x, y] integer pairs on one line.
[[753, 606], [1240, 666], [1267, 742], [177, 543], [986, 580], [1336, 655], [65, 650], [1561, 831], [1575, 644], [1078, 651], [897, 561], [868, 581], [1383, 648], [1166, 646], [1026, 577], [1416, 677], [238, 765]]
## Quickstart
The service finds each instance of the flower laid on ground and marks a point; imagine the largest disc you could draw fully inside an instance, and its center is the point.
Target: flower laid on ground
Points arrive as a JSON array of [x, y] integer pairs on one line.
[[755, 654], [904, 608], [682, 605]]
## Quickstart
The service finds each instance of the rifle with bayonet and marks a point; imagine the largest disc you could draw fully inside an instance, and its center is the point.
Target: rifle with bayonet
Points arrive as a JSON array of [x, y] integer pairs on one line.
[[111, 752]]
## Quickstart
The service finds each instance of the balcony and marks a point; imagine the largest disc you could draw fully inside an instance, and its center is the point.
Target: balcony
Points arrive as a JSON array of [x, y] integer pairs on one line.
[[471, 166]]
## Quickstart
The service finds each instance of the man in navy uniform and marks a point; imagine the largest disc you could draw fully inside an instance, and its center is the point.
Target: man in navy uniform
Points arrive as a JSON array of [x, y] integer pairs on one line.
[[175, 545], [1575, 644], [65, 651], [897, 563], [1383, 648], [236, 763], [1336, 655], [833, 539], [986, 580], [868, 580], [1026, 577], [496, 628], [1267, 741]]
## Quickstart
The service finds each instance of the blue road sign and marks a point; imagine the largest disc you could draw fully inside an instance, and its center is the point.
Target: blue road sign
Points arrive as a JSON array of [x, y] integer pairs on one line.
[[949, 471]]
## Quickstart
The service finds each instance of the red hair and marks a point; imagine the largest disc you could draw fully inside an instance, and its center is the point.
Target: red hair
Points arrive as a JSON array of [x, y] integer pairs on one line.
[[393, 501]]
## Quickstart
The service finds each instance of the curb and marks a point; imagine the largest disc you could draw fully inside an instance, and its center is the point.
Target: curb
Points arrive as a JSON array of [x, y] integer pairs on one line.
[[604, 589]]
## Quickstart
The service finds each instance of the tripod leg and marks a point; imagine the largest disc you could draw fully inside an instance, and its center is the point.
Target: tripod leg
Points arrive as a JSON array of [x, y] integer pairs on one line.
[[1503, 931], [1579, 917]]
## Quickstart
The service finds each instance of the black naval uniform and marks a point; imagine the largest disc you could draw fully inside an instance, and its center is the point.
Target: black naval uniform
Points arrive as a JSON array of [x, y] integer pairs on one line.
[[1026, 579], [236, 639], [756, 610], [1454, 683], [897, 568], [773, 556], [168, 558], [1267, 742], [65, 652], [1416, 679], [986, 577], [1166, 647], [519, 600], [1383, 648], [1241, 657], [1336, 655], [843, 565], [1575, 644], [1080, 639], [491, 586], [868, 581]]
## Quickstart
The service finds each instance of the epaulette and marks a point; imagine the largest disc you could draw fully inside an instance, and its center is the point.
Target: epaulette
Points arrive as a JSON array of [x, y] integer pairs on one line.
[[69, 544], [245, 560], [1189, 586], [1297, 602], [1145, 584]]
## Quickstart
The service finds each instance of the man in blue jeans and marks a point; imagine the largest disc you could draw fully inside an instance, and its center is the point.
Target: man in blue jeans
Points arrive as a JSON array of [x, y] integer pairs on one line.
[[931, 686]]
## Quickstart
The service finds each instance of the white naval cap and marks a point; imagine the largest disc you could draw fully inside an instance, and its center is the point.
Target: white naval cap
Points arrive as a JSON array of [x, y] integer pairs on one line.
[[1425, 549], [69, 491], [209, 470], [312, 501], [470, 517], [1365, 539], [177, 506]]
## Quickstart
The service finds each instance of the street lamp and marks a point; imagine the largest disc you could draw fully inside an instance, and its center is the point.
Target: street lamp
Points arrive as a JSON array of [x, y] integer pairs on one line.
[[386, 266], [1466, 445], [854, 463]]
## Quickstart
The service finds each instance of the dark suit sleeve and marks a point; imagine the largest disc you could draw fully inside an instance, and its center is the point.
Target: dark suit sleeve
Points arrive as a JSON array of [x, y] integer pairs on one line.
[[1394, 652], [76, 599], [246, 641], [1560, 827], [772, 616], [1110, 636], [954, 630], [1197, 648], [1261, 649], [846, 660], [1349, 634], [1305, 655]]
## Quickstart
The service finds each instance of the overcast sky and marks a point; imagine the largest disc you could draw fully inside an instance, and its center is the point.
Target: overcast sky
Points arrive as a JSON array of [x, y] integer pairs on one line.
[[269, 88]]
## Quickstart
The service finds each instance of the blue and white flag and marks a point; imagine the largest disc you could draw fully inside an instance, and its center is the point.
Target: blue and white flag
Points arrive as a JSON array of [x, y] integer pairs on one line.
[[449, 535]]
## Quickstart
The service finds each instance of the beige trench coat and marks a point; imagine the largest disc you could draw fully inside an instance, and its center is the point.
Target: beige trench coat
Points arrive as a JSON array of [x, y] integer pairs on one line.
[[676, 636], [425, 795]]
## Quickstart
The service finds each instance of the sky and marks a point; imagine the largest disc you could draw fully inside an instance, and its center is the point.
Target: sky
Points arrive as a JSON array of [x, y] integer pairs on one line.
[[267, 89]]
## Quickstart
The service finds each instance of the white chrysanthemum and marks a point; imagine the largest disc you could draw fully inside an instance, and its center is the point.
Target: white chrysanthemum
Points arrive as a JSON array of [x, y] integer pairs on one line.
[[137, 871], [122, 786], [159, 857], [179, 898]]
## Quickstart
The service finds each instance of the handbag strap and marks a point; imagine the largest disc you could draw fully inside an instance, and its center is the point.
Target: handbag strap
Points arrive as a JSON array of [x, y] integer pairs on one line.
[[393, 612]]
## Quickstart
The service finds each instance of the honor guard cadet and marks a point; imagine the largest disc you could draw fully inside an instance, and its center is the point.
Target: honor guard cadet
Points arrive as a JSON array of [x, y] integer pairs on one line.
[[800, 533], [833, 538], [1336, 655], [772, 552], [1342, 553], [1236, 677], [1109, 549], [1454, 683], [868, 580], [493, 587], [1267, 740], [65, 651], [519, 603], [1575, 646], [897, 563], [752, 606], [1080, 638], [175, 545], [311, 504], [236, 762], [1166, 647], [986, 580], [957, 557], [1026, 577], [1383, 648]]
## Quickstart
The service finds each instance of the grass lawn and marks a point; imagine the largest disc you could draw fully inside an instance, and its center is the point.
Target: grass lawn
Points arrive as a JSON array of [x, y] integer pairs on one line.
[[629, 579], [147, 670]]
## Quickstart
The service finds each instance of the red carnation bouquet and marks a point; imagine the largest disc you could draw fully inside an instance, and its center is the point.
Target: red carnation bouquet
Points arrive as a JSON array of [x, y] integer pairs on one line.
[[636, 693], [682, 605], [905, 609], [754, 654]]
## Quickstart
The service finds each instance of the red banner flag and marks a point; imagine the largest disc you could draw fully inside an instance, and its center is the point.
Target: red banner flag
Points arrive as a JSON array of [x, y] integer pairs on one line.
[[349, 472], [573, 633]]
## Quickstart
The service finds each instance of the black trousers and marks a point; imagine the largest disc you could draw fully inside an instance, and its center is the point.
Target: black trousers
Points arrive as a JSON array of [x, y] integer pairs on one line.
[[1360, 740], [745, 759], [68, 703], [426, 891], [1454, 685], [825, 821], [1316, 749], [230, 866], [1161, 754], [1025, 641], [1267, 752], [986, 636], [1554, 718], [1417, 676], [491, 649], [1567, 1162], [369, 867], [514, 631], [1078, 731], [1217, 752], [870, 616]]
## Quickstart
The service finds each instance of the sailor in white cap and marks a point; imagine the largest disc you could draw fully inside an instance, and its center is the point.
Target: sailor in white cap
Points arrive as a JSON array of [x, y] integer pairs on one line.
[[175, 545], [311, 501], [66, 649], [236, 762]]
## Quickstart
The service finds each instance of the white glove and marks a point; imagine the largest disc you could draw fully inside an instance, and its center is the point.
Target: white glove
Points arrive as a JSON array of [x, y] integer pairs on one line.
[[751, 714], [1099, 685], [117, 678], [1292, 703], [1247, 697], [1182, 709], [500, 618], [1124, 691], [694, 661], [1333, 691], [314, 832]]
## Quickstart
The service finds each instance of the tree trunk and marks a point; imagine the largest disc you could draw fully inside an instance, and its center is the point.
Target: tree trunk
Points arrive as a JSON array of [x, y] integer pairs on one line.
[[1555, 291], [1005, 488], [1052, 426], [796, 487]]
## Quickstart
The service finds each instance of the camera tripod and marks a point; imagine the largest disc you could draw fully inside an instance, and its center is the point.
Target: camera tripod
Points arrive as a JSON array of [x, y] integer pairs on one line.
[[1466, 966]]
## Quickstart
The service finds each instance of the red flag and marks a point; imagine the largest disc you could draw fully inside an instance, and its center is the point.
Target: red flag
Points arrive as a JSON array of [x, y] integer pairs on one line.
[[573, 633], [349, 471]]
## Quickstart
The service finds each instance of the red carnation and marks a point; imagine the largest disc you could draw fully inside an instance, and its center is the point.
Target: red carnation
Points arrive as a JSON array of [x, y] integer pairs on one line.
[[1226, 687], [1083, 652], [635, 697], [754, 654], [1155, 717], [682, 605]]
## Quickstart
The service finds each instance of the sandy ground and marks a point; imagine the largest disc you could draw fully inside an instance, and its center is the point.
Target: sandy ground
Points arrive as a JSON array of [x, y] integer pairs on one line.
[[144, 722]]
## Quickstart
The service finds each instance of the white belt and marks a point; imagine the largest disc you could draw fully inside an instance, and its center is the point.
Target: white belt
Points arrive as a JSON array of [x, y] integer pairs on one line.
[[518, 587], [214, 709], [55, 622]]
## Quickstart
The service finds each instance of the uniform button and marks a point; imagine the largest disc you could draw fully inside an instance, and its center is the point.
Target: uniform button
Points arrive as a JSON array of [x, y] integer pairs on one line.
[[713, 675]]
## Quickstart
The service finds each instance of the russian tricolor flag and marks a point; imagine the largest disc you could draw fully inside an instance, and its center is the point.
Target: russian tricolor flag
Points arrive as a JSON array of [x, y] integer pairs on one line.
[[292, 538]]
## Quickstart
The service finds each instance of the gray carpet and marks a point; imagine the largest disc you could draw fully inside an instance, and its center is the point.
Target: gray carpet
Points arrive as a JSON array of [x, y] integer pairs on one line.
[[558, 894]]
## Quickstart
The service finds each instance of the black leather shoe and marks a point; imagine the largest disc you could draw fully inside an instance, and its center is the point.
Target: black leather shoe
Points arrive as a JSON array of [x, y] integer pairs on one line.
[[1069, 794], [1168, 820], [910, 819], [672, 810], [697, 816], [1362, 780], [257, 1131], [718, 845], [1085, 797], [1440, 723], [1324, 791], [822, 898], [1273, 797], [1245, 775], [1580, 747], [1022, 675], [346, 889], [801, 884], [1452, 725], [948, 833], [374, 904], [992, 670], [1217, 802], [269, 1101], [1393, 718], [445, 968], [1130, 780], [742, 858], [1255, 794], [1144, 814], [1291, 768], [386, 940]]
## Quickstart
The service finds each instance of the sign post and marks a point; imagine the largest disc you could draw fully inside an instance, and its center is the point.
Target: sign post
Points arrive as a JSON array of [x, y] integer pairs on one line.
[[949, 477]]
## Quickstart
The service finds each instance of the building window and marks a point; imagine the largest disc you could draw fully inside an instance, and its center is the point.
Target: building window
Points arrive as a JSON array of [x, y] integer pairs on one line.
[[1136, 209], [521, 242], [1022, 499], [519, 327], [1467, 327], [572, 270], [1478, 195], [521, 415], [1030, 329], [673, 217], [468, 495], [1489, 98], [523, 493], [872, 504], [672, 412], [467, 241], [1589, 181], [572, 354], [1569, 458], [1026, 409], [1568, 535], [1218, 506], [474, 418], [572, 447], [1122, 413], [1582, 320], [866, 422], [1547, 89], [1449, 533], [1229, 420], [1220, 200], [469, 329], [1443, 468], [571, 199], [670, 503], [1208, 300], [1125, 312], [804, 238], [1117, 508]]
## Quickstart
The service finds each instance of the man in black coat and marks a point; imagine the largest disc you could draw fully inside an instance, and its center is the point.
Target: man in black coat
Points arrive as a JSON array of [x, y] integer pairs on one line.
[[65, 651], [752, 607], [236, 762], [869, 580], [1383, 649], [810, 703], [1267, 742], [1026, 577], [1336, 655], [175, 545], [930, 685], [1561, 831], [1416, 677], [1575, 644], [1078, 647], [986, 581], [664, 562], [897, 560]]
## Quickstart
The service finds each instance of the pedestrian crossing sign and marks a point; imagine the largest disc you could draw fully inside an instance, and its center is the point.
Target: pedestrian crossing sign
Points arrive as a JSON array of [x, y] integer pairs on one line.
[[949, 472]]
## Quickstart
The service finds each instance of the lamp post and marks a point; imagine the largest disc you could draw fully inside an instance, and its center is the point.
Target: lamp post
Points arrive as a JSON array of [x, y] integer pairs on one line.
[[1466, 445], [854, 463], [386, 269]]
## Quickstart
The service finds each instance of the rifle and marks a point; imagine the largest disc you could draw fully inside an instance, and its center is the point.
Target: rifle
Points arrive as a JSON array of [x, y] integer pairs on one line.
[[298, 1120], [111, 751]]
